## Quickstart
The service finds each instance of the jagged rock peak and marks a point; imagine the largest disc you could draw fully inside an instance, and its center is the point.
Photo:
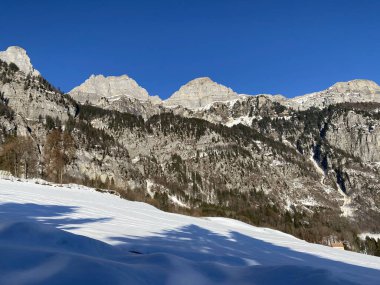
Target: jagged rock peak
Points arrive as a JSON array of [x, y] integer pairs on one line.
[[110, 87], [18, 56], [199, 93]]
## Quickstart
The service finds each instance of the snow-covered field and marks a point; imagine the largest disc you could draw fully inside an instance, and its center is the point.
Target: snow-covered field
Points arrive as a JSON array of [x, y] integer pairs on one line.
[[75, 235]]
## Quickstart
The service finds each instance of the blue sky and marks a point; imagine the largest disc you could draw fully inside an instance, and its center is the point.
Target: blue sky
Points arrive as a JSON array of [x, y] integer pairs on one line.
[[287, 47]]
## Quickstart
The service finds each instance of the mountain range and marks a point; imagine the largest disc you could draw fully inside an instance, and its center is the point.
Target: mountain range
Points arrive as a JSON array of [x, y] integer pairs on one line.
[[309, 165]]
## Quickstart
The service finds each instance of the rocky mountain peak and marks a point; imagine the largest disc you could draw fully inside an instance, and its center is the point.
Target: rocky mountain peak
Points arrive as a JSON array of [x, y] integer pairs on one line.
[[200, 92], [357, 85], [200, 81], [354, 91], [110, 87], [18, 56]]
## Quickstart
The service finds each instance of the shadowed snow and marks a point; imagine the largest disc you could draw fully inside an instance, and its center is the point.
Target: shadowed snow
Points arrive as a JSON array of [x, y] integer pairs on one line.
[[62, 235]]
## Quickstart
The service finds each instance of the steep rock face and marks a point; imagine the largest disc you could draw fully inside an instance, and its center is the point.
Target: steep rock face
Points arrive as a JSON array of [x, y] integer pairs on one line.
[[356, 134], [32, 97], [200, 92], [18, 56], [354, 91]]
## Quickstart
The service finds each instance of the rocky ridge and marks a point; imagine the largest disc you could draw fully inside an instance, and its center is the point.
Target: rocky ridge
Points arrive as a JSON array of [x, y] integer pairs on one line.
[[353, 91], [202, 93]]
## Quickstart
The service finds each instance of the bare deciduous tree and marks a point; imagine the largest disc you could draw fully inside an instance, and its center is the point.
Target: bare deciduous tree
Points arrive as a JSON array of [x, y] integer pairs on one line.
[[59, 151], [19, 156]]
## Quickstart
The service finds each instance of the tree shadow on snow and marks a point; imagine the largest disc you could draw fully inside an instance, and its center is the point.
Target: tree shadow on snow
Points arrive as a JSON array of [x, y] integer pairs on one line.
[[186, 255], [260, 261], [53, 215]]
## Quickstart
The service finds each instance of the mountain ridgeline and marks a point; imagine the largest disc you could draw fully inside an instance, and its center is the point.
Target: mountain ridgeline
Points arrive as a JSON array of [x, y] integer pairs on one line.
[[309, 166]]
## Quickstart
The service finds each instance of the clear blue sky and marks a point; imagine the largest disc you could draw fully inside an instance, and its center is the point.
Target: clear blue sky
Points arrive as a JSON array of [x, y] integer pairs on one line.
[[287, 47]]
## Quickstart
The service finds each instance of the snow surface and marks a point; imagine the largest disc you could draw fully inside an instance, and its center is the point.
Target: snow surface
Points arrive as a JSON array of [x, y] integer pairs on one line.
[[52, 234], [371, 235], [244, 120], [346, 208]]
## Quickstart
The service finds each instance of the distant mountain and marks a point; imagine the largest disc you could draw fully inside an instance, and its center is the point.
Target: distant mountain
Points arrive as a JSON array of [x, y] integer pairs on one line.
[[111, 88], [120, 93]]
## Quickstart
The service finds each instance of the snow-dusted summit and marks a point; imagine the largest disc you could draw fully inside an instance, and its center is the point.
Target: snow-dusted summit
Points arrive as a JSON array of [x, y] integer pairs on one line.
[[111, 88], [18, 56], [200, 92]]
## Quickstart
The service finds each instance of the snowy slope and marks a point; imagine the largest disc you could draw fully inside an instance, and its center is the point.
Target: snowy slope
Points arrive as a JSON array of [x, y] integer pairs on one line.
[[75, 235]]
